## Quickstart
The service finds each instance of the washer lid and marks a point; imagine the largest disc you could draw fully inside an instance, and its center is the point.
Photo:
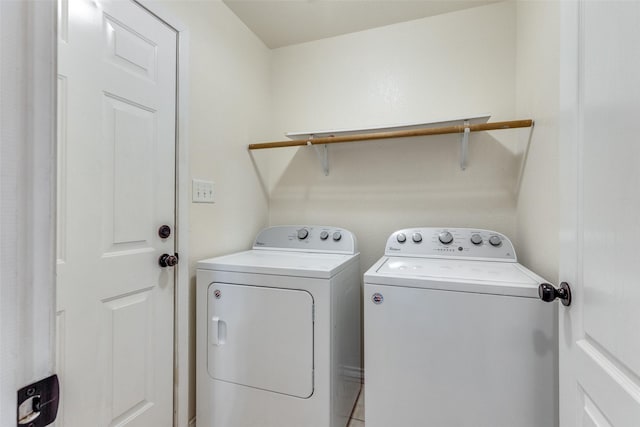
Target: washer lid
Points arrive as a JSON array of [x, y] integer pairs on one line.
[[485, 277], [282, 263]]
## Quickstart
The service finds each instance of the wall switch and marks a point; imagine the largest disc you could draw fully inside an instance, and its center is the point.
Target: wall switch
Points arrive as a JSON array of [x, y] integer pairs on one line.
[[202, 191]]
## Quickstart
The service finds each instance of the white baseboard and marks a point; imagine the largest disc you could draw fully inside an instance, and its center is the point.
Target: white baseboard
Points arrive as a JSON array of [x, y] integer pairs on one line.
[[192, 423]]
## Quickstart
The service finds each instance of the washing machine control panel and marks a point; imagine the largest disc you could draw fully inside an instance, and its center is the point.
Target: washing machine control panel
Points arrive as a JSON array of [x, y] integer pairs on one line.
[[308, 238], [469, 243]]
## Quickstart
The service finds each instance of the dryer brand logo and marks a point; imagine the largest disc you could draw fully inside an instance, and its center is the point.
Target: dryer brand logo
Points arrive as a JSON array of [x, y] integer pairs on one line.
[[217, 293], [377, 298]]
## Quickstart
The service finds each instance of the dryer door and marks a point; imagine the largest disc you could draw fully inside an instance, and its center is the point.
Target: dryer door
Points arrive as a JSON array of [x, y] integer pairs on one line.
[[261, 337]]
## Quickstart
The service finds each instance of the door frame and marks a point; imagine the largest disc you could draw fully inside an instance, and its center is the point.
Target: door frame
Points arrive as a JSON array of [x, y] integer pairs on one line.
[[568, 166], [182, 319], [568, 134], [28, 49]]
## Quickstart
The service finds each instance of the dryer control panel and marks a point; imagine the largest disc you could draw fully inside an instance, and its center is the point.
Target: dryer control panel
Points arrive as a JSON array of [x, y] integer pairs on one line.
[[308, 238], [456, 243]]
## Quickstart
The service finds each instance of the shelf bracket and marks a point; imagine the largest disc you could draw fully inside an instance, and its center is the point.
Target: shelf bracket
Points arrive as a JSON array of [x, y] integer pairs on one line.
[[464, 145], [323, 154]]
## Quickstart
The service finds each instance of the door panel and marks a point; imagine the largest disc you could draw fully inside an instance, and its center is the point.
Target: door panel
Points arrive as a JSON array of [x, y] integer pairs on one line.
[[130, 50], [129, 321], [261, 337], [591, 415], [117, 70], [129, 139], [61, 170], [600, 352], [607, 386]]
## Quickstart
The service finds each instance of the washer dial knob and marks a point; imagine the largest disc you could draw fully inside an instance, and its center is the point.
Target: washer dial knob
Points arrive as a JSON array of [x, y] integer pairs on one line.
[[495, 240], [337, 236], [401, 238], [417, 237], [476, 239], [303, 233], [324, 235], [445, 237]]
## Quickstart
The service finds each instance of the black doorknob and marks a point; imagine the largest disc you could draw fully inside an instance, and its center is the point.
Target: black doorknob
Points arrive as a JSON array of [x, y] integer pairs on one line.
[[548, 293], [164, 231], [167, 260]]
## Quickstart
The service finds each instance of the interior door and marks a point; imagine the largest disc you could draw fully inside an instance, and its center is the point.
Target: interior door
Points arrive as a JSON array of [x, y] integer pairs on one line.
[[116, 181], [599, 333]]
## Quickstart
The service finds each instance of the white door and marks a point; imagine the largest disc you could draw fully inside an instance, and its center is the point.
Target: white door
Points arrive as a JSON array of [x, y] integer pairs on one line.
[[261, 337], [600, 332], [116, 102]]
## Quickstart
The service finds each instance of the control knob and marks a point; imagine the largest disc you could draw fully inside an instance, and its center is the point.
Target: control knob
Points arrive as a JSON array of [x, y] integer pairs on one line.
[[324, 235], [417, 237], [445, 237], [303, 233], [401, 238], [337, 236], [476, 239], [495, 240]]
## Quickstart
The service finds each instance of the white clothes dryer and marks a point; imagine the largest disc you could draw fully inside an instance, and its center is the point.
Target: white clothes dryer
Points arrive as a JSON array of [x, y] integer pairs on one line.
[[278, 331], [455, 335]]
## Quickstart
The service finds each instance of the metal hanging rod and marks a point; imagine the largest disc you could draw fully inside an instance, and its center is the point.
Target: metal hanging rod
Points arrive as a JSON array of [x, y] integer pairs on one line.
[[512, 124]]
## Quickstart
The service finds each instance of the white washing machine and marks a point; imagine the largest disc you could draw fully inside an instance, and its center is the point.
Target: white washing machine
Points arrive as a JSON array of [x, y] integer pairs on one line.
[[278, 331], [455, 335]]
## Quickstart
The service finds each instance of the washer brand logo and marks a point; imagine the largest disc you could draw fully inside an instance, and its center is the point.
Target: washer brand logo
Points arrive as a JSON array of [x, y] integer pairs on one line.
[[259, 243], [377, 298], [217, 293], [391, 248]]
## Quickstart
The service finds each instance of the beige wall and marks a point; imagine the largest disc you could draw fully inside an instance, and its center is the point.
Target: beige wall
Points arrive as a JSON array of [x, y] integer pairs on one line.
[[228, 97], [444, 66], [537, 76], [469, 62]]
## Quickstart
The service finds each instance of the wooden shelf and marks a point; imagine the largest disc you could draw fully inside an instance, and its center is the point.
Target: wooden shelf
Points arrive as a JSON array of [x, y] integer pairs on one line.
[[464, 126], [473, 119]]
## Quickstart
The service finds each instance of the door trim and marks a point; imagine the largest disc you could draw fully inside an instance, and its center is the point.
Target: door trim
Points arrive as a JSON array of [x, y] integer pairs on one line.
[[182, 319], [28, 46], [569, 164]]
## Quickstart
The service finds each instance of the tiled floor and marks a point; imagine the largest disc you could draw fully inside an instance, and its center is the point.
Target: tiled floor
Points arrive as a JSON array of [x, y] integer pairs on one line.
[[357, 418]]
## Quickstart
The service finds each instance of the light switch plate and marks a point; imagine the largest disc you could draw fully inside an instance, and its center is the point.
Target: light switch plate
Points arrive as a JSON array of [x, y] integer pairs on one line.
[[202, 191]]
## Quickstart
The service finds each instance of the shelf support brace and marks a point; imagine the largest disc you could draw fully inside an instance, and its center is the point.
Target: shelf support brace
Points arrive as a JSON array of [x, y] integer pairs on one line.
[[464, 145], [323, 154]]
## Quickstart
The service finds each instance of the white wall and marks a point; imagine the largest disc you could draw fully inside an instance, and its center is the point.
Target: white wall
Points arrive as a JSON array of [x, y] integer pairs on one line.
[[467, 62], [537, 79], [27, 197], [228, 101], [438, 67]]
